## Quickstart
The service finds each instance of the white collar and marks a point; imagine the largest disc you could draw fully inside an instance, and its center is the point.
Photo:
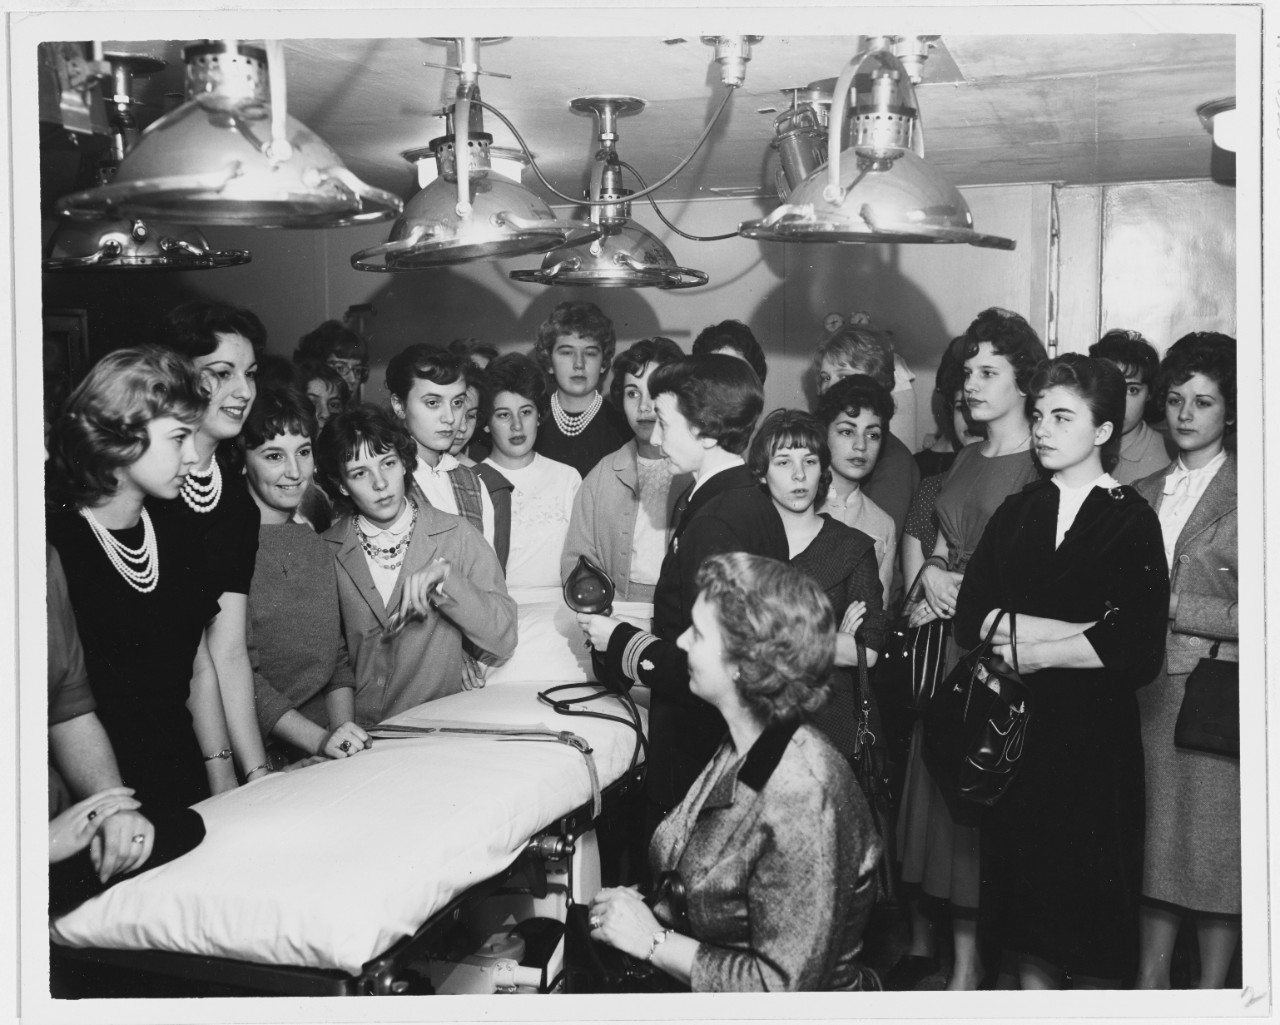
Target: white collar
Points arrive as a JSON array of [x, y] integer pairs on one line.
[[1104, 481], [1193, 477], [446, 463], [403, 522]]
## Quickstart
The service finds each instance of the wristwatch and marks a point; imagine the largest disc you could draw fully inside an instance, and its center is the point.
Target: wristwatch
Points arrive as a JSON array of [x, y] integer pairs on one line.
[[656, 940]]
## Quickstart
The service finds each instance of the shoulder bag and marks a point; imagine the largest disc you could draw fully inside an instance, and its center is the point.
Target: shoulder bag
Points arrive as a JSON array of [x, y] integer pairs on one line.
[[914, 659]]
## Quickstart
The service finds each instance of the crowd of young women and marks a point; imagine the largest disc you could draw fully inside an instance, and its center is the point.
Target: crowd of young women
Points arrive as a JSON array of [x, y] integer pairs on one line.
[[224, 638]]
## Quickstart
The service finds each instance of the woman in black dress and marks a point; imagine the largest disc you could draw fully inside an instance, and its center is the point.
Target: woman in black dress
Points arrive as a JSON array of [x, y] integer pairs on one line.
[[223, 343], [1080, 561], [139, 588]]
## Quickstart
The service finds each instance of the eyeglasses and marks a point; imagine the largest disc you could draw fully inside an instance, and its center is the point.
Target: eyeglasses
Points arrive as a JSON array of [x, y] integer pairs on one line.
[[350, 368]]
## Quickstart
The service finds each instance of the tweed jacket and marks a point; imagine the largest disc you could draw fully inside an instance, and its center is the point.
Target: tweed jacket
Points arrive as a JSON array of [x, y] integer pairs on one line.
[[776, 853], [425, 660], [1205, 571], [603, 523]]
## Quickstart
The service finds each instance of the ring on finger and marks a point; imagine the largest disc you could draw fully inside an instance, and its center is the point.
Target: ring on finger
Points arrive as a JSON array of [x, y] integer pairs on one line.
[[93, 814], [139, 837], [345, 747], [595, 921]]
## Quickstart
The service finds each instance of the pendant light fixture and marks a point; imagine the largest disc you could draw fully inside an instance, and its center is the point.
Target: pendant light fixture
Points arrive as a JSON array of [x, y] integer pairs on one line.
[[625, 255], [232, 155], [469, 213], [130, 243], [880, 189], [1220, 120]]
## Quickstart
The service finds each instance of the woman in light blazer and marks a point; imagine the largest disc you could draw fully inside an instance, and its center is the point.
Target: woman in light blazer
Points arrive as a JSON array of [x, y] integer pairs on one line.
[[1192, 859]]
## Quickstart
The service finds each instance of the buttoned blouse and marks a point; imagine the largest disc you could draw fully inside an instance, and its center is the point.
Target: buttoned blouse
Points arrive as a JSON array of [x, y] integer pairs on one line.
[[1183, 489]]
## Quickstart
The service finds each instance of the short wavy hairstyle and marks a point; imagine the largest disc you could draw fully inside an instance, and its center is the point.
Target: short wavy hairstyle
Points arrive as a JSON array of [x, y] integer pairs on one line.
[[735, 335], [423, 362], [586, 320], [103, 425], [1099, 382], [658, 351], [316, 370], [720, 396], [332, 338], [342, 438], [864, 348], [1010, 336], [1130, 351], [791, 428], [949, 380], [778, 631], [852, 395], [518, 374], [192, 329], [277, 411], [1201, 352]]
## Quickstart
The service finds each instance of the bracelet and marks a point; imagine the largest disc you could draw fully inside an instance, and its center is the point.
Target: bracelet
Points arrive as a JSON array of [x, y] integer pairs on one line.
[[224, 754], [935, 560], [656, 940]]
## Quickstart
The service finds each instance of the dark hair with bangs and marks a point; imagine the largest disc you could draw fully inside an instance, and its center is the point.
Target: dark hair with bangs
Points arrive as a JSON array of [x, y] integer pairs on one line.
[[949, 380], [312, 370], [720, 396], [1101, 386], [851, 395], [1130, 351], [791, 428], [353, 429], [192, 329], [518, 374], [103, 426], [586, 320], [1010, 336], [423, 362], [658, 351], [332, 338], [1201, 352], [778, 632], [278, 411], [735, 335]]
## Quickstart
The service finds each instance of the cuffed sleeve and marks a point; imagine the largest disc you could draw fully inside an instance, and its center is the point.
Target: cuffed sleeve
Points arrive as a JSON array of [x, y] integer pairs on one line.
[[475, 597]]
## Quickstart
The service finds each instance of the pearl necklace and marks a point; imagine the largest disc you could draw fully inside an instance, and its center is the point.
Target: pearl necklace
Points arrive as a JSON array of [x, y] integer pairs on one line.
[[393, 557], [203, 497], [140, 567], [571, 428]]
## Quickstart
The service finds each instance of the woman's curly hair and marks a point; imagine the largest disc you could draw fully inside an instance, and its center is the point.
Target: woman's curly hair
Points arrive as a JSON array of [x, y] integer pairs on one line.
[[103, 426], [778, 631], [1201, 352], [1011, 337]]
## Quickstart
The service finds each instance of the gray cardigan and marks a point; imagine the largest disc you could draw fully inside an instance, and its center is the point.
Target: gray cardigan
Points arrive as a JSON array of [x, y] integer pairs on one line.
[[1205, 571]]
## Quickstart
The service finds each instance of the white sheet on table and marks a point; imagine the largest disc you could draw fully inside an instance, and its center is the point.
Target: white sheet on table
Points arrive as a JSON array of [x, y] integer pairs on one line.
[[327, 867]]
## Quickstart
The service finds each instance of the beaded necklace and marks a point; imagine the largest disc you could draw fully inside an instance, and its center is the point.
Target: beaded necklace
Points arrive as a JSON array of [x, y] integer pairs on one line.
[[392, 557], [572, 427], [200, 495], [140, 567]]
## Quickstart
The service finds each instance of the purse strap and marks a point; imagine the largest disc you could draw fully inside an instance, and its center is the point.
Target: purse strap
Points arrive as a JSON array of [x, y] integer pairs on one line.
[[862, 704], [1013, 635], [916, 591]]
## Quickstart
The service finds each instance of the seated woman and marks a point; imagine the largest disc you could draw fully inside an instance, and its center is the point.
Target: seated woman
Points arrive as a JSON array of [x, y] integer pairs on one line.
[[855, 411], [543, 490], [624, 509], [414, 584], [303, 685], [1078, 561], [789, 456], [141, 589], [774, 844]]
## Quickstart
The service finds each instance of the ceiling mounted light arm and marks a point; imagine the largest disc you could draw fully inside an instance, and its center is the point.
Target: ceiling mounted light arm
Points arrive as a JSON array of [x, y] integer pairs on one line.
[[278, 149]]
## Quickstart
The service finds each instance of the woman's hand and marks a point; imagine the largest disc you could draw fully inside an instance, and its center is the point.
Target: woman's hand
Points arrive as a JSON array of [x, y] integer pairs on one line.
[[421, 587], [474, 673], [344, 740], [598, 629], [941, 588], [620, 917], [920, 613], [853, 617], [71, 831], [123, 842]]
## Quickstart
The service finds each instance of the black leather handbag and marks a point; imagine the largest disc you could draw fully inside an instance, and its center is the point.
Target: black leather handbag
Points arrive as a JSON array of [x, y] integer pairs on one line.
[[1209, 719], [870, 765], [977, 725], [914, 659]]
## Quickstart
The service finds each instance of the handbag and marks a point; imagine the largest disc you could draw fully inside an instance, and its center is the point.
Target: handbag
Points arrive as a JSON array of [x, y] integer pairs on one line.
[[976, 728], [1209, 719], [914, 659], [870, 765]]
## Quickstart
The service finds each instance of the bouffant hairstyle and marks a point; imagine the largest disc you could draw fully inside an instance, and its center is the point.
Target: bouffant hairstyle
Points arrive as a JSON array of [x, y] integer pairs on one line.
[[1201, 352], [192, 329], [657, 350], [586, 320], [277, 411], [353, 429], [518, 374], [468, 347], [1010, 336], [735, 335], [778, 631], [946, 382], [862, 347], [423, 362], [1098, 382], [103, 426], [277, 372], [720, 396], [332, 338], [1130, 351], [312, 370], [791, 428], [851, 395]]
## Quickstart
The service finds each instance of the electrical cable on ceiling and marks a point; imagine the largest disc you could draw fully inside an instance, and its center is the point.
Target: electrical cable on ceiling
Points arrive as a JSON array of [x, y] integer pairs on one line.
[[663, 217]]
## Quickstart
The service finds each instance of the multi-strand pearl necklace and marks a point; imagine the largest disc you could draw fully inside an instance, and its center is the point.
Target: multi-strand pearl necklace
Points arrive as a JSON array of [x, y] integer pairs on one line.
[[571, 428], [140, 567], [201, 496], [393, 557]]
